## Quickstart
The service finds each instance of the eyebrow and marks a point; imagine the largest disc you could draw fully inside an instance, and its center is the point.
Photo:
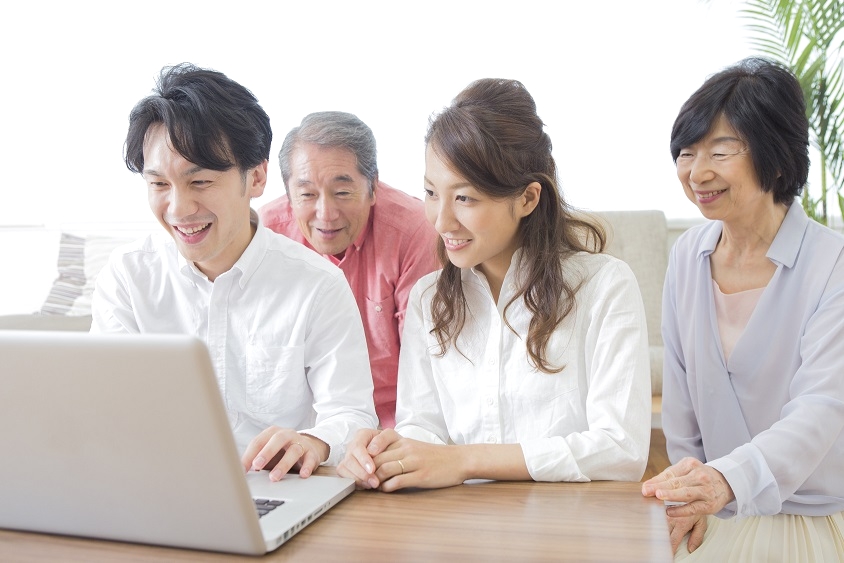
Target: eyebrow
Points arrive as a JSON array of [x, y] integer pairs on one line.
[[188, 172], [453, 186], [726, 139]]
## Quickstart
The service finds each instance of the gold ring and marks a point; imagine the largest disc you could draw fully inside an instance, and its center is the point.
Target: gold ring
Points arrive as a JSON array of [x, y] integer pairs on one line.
[[401, 465], [301, 446]]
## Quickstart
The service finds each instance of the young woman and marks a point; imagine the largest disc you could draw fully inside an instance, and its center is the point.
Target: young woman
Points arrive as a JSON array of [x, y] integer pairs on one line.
[[526, 356]]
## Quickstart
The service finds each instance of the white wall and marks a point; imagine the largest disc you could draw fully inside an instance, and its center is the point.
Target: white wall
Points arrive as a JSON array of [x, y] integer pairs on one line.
[[608, 78]]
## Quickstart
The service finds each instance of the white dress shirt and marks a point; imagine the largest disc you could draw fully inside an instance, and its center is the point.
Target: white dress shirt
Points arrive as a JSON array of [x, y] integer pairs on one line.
[[771, 417], [590, 421], [284, 332]]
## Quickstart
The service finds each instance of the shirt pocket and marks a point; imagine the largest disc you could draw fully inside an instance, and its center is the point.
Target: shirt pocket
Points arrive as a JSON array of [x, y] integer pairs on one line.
[[274, 378], [381, 328]]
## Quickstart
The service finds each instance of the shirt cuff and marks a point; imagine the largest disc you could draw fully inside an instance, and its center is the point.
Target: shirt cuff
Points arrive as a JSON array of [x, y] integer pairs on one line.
[[419, 433], [754, 486], [336, 445], [550, 459]]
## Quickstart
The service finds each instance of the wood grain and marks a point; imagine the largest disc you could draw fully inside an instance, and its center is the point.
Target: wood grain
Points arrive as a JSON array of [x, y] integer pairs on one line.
[[521, 521], [658, 456]]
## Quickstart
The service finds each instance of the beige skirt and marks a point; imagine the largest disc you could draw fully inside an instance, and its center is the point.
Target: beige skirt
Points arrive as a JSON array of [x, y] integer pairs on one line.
[[770, 539]]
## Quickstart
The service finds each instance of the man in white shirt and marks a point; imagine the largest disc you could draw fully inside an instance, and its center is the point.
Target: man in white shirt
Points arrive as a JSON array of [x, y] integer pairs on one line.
[[277, 318]]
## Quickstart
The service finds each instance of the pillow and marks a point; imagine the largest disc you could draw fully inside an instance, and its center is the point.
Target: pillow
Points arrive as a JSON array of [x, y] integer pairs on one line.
[[80, 260]]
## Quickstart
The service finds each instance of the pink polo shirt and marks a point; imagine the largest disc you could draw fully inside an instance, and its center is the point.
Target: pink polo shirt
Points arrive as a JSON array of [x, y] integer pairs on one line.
[[394, 250]]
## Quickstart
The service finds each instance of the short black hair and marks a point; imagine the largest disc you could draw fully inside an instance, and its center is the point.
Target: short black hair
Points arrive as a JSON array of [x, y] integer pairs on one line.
[[763, 102], [211, 120]]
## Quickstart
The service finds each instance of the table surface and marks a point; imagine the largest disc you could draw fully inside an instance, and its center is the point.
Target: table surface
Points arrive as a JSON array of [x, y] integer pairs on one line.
[[522, 521]]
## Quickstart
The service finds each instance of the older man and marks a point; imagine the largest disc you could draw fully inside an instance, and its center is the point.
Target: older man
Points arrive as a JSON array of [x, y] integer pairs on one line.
[[376, 234]]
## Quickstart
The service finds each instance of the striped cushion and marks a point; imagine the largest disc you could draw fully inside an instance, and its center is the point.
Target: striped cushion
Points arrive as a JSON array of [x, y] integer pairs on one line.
[[80, 260]]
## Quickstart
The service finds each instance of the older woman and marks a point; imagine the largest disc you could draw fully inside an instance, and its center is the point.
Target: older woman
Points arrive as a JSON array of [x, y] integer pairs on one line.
[[753, 322]]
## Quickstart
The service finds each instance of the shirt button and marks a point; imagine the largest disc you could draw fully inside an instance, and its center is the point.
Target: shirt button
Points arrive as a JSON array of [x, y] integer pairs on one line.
[[378, 308], [490, 401], [490, 439], [512, 287], [492, 361]]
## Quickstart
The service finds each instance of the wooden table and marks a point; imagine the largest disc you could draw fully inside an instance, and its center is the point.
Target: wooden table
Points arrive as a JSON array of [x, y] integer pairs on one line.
[[524, 521]]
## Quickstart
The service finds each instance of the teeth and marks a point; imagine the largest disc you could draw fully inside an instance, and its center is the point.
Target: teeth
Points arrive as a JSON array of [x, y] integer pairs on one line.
[[455, 241], [192, 230], [710, 194]]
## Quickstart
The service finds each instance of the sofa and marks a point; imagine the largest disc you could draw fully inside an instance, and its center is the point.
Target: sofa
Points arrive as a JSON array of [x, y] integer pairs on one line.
[[640, 238]]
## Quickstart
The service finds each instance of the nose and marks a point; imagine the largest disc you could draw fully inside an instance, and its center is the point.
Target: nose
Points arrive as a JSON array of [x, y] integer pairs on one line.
[[326, 209], [180, 203], [700, 171], [443, 219]]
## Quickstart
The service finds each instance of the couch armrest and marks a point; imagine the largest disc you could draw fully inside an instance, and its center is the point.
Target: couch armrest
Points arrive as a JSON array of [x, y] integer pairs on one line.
[[45, 322]]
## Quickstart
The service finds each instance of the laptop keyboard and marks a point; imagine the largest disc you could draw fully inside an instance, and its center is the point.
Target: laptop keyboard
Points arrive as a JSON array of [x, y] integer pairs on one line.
[[265, 506]]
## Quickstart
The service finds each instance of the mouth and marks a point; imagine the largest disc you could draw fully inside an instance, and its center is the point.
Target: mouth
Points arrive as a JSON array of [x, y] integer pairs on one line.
[[708, 196], [192, 233], [455, 243]]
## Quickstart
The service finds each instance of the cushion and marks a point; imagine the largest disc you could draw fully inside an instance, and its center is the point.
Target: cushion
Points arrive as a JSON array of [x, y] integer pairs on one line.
[[80, 260]]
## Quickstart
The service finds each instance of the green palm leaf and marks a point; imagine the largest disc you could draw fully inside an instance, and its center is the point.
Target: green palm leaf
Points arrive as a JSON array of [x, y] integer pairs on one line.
[[807, 36]]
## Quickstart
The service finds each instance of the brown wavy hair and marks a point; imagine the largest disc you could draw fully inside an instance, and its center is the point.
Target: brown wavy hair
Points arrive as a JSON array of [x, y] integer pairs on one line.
[[492, 136]]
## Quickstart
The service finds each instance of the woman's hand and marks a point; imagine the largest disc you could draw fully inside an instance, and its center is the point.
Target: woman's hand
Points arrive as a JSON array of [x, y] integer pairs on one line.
[[410, 463], [695, 526], [702, 489], [385, 460], [279, 449], [358, 463]]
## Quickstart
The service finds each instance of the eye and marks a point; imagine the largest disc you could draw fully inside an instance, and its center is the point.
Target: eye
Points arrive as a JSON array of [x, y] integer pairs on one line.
[[685, 154], [428, 193], [200, 183], [463, 198]]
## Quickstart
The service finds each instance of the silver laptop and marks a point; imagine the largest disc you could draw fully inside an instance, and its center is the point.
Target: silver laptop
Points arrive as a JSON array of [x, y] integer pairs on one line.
[[124, 437]]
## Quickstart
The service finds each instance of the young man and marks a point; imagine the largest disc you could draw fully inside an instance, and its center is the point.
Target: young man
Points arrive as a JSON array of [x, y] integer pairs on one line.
[[277, 318], [376, 234]]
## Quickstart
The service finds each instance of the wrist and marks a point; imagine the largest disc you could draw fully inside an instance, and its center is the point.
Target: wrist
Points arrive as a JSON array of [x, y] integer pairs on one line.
[[469, 458], [319, 447]]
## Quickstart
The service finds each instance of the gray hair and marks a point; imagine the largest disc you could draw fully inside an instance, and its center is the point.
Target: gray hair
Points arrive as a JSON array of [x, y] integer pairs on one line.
[[335, 129]]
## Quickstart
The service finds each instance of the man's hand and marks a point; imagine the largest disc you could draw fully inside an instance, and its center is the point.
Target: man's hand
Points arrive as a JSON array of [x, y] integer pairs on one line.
[[280, 449]]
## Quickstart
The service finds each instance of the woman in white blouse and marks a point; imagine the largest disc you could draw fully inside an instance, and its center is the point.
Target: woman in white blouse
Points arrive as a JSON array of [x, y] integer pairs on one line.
[[526, 356], [753, 324]]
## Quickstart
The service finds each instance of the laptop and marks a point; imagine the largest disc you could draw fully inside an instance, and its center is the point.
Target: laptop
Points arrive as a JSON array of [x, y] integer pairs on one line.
[[125, 437]]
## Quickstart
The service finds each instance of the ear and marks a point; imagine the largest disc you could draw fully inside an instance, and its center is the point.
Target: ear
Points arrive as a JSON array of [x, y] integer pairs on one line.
[[256, 179], [527, 202], [374, 191]]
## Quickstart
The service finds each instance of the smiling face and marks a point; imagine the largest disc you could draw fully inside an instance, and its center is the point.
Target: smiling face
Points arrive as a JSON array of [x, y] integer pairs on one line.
[[718, 176], [477, 231], [205, 211], [329, 196]]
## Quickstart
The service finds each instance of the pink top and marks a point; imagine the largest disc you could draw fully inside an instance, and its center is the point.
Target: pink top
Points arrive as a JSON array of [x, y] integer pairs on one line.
[[394, 250], [733, 311]]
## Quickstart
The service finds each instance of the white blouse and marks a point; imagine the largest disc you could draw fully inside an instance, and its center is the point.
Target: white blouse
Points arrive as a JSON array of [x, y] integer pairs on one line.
[[590, 421]]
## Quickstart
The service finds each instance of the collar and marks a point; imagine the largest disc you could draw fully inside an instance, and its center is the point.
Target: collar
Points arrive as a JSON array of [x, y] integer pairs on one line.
[[358, 242], [510, 276], [786, 243], [248, 262]]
